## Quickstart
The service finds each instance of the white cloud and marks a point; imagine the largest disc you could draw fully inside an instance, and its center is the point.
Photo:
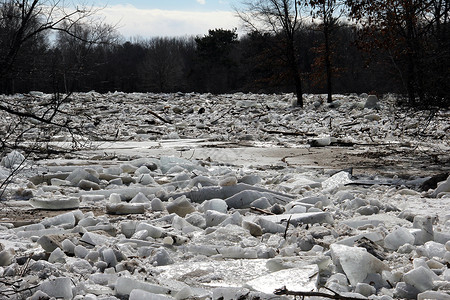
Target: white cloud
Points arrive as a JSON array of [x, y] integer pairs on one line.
[[146, 23], [201, 1]]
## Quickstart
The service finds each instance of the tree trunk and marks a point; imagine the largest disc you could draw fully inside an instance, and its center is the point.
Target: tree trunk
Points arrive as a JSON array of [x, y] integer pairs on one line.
[[328, 63]]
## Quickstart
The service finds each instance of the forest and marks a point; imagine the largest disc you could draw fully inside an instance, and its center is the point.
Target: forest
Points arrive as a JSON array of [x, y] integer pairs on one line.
[[378, 47]]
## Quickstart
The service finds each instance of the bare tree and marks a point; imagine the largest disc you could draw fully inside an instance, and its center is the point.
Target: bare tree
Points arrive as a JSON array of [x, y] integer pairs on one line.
[[162, 67], [21, 23], [414, 33], [329, 13], [281, 18]]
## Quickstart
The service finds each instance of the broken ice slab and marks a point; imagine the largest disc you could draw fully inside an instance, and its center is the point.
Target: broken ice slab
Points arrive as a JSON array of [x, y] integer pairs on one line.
[[243, 199], [421, 278], [299, 182], [55, 204], [214, 273], [67, 218], [94, 239], [126, 193], [398, 238], [356, 262], [376, 237], [138, 294], [376, 220], [296, 279], [50, 242], [293, 262], [125, 208], [298, 219], [224, 192], [444, 187], [60, 287], [125, 285], [337, 180], [362, 223]]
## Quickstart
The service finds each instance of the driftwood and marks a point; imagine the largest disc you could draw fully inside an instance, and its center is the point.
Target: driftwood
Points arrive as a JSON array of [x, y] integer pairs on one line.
[[160, 118], [294, 133], [285, 291], [262, 211]]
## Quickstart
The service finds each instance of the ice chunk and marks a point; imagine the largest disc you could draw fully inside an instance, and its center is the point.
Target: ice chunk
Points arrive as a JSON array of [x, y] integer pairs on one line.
[[356, 262], [372, 102], [153, 231], [109, 257], [157, 204], [405, 291], [67, 218], [365, 289], [336, 181], [161, 258], [146, 179], [140, 198], [444, 187], [268, 226], [420, 278], [61, 203], [88, 185], [261, 203], [50, 242], [398, 238], [296, 279], [181, 206], [125, 208], [6, 256], [253, 228], [138, 294], [435, 249], [80, 251], [60, 287], [433, 295], [243, 199], [125, 285], [215, 204], [301, 218], [237, 252], [320, 142], [425, 233], [12, 159], [94, 238], [214, 218], [81, 174]]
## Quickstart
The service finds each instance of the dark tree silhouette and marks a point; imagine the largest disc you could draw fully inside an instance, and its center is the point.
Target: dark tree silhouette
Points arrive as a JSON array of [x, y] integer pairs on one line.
[[280, 18]]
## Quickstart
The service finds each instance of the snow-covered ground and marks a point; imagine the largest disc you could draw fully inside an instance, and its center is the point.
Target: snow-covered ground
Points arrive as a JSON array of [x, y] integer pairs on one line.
[[199, 196]]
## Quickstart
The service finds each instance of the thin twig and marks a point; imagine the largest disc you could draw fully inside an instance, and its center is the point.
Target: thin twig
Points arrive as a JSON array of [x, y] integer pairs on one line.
[[285, 291], [262, 210], [287, 226]]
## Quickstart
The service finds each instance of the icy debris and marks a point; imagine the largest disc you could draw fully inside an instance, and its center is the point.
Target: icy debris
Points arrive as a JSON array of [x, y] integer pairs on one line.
[[125, 285], [60, 203], [12, 160], [181, 206], [60, 287], [336, 181], [301, 218], [356, 262], [398, 238], [296, 279], [371, 102], [125, 208], [177, 228]]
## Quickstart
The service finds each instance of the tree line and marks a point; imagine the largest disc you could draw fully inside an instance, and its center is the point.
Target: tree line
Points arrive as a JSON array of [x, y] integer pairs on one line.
[[314, 46]]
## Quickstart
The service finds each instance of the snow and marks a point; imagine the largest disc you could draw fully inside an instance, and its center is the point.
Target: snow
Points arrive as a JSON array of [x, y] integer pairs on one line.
[[239, 201]]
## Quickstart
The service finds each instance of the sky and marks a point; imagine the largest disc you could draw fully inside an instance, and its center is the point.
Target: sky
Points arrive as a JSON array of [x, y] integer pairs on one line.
[[173, 18]]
